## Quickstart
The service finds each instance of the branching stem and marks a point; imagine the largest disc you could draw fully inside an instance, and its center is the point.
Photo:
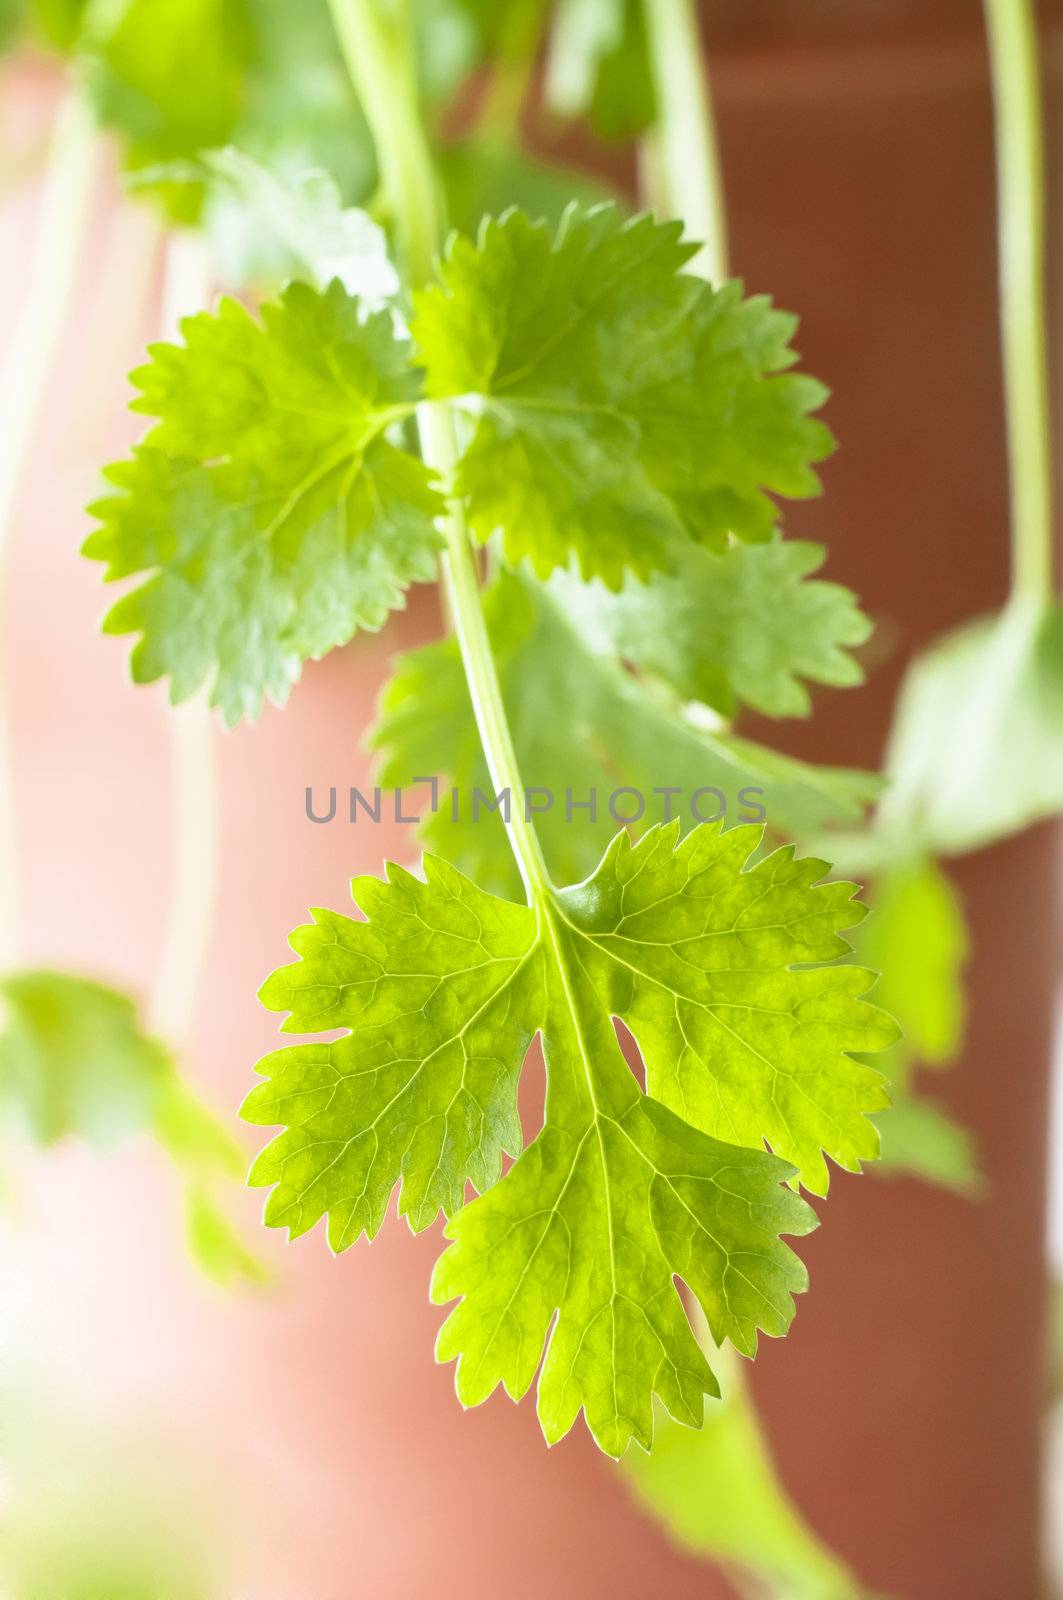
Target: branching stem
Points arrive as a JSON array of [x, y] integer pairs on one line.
[[376, 39], [1021, 225]]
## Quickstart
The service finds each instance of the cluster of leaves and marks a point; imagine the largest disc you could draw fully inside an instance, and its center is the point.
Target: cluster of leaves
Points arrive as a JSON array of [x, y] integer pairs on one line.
[[620, 419], [76, 1062]]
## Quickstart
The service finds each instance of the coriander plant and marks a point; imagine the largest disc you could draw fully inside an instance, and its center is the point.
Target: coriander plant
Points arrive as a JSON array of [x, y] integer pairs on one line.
[[446, 359]]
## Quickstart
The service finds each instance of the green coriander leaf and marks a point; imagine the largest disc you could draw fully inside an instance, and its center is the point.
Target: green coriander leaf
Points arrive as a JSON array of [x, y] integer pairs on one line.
[[977, 748], [168, 76], [615, 735], [441, 990], [743, 625], [422, 1088], [702, 952], [267, 508], [616, 404]]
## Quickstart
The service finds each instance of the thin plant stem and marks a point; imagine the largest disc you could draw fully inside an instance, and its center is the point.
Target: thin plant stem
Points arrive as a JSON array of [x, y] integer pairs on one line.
[[53, 267], [686, 150], [1019, 122], [375, 35], [194, 870]]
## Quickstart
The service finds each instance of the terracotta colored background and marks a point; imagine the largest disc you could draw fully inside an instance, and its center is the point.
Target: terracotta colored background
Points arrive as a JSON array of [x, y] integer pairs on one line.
[[905, 1407]]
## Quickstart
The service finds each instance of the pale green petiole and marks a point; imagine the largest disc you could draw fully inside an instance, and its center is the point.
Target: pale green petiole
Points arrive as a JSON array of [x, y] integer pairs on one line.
[[1019, 122]]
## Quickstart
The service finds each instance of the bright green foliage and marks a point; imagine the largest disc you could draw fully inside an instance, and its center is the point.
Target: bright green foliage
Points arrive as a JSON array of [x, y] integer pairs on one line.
[[75, 1060], [268, 504], [617, 404], [614, 733], [598, 66], [168, 77], [718, 1494], [743, 625], [441, 990], [732, 1038], [977, 751], [423, 1085]]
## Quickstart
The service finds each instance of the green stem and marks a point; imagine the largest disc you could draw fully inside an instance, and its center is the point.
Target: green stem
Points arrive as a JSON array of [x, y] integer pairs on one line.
[[52, 271], [1021, 225], [193, 874], [687, 153], [376, 40]]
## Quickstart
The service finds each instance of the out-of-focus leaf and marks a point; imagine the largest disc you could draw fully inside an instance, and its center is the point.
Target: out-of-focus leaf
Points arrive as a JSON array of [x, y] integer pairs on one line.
[[485, 177], [921, 1140], [215, 1245], [299, 109], [599, 67], [60, 21], [717, 1493], [169, 78], [269, 228], [76, 1060], [977, 748], [268, 513], [741, 625], [917, 938]]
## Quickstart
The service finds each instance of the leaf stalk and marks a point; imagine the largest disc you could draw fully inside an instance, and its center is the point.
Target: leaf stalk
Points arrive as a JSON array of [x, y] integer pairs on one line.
[[376, 36], [687, 157], [1019, 124]]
